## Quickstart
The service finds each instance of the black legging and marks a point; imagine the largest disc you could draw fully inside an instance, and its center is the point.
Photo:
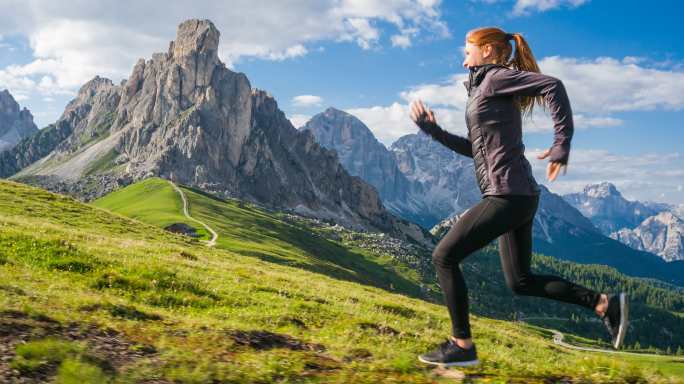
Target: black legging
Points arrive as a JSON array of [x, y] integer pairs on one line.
[[510, 218]]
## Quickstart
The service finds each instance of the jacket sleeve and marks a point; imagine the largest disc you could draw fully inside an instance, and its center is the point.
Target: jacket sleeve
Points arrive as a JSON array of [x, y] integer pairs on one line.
[[512, 82], [456, 143]]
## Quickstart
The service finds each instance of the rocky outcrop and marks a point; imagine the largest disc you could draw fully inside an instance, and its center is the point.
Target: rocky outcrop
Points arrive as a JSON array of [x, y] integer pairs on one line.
[[661, 234], [646, 226], [183, 115], [605, 206], [15, 123], [85, 120]]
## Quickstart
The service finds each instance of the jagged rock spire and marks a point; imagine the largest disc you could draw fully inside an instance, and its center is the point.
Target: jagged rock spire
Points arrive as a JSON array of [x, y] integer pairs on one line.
[[195, 37]]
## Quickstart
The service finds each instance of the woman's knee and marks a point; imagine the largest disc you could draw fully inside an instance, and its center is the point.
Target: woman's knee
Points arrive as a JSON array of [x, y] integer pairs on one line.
[[444, 257], [520, 285]]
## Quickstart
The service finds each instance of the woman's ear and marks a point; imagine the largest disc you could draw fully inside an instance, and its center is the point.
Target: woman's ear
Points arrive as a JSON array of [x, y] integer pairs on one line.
[[486, 50]]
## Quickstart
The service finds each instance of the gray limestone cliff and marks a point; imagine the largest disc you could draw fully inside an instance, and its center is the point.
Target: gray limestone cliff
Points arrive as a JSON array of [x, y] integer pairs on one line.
[[662, 234]]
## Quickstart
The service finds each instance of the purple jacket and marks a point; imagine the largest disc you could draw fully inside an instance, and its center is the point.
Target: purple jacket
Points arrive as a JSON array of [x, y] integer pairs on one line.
[[495, 127]]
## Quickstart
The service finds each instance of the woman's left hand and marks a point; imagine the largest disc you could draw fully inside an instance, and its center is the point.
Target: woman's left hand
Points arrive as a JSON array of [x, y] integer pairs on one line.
[[554, 167], [420, 113]]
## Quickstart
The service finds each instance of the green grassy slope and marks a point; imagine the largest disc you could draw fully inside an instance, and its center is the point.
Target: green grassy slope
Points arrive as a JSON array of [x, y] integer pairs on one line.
[[249, 231], [99, 296], [150, 202]]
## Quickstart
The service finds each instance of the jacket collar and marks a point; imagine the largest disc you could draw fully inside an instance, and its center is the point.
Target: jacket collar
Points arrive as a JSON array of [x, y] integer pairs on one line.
[[477, 73]]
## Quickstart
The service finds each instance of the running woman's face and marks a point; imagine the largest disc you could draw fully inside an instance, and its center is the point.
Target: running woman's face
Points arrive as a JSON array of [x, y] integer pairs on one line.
[[474, 55]]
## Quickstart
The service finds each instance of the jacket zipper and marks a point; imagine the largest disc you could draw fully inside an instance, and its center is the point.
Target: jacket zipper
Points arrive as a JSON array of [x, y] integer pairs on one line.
[[484, 160]]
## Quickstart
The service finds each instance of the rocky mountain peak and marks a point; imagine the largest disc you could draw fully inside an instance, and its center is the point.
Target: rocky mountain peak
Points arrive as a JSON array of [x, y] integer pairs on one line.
[[8, 105], [92, 87], [5, 97], [15, 122], [661, 234], [602, 190], [195, 38], [332, 111], [337, 126], [668, 217]]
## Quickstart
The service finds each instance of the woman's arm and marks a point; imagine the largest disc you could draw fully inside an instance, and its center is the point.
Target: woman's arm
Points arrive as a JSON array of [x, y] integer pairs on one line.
[[457, 143], [508, 81]]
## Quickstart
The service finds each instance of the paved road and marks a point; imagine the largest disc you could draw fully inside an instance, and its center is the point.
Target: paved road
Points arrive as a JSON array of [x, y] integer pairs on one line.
[[214, 235], [558, 339]]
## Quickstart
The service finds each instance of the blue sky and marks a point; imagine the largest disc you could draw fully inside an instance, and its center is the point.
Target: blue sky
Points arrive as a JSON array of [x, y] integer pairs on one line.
[[622, 67]]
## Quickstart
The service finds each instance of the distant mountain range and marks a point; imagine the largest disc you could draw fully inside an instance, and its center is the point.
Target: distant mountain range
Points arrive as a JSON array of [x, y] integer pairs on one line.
[[648, 226]]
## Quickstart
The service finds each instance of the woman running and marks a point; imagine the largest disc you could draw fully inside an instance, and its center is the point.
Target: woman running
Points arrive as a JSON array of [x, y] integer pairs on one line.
[[499, 91]]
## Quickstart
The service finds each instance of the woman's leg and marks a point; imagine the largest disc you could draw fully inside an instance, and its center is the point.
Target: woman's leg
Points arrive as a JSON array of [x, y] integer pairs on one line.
[[515, 249], [479, 225]]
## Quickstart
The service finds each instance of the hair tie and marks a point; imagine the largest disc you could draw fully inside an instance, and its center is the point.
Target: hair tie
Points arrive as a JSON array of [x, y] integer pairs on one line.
[[509, 36]]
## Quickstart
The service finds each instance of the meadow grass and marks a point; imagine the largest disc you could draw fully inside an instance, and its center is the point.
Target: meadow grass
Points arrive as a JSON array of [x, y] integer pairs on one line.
[[270, 303]]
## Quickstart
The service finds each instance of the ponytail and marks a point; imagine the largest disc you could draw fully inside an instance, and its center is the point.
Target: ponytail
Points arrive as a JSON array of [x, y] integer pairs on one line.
[[522, 60]]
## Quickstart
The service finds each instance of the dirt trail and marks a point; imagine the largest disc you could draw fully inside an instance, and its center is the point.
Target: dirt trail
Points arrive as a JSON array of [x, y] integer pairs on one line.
[[214, 236], [558, 339]]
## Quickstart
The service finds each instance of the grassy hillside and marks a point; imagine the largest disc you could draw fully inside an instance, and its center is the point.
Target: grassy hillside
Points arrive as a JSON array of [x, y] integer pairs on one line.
[[87, 295], [249, 231], [152, 202]]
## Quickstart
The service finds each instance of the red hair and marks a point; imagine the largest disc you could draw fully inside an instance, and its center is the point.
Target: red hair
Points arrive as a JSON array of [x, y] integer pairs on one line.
[[522, 59]]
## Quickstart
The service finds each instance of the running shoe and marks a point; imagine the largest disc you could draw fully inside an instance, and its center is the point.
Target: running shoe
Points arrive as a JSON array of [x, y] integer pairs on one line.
[[616, 318], [448, 353]]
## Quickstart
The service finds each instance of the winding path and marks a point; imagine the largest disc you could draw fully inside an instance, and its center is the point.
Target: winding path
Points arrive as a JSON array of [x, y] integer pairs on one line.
[[558, 339], [211, 242]]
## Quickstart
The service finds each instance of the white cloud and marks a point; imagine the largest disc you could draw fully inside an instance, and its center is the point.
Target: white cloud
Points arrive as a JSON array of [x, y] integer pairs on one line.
[[641, 177], [74, 40], [307, 101], [404, 40], [387, 123], [298, 120], [450, 93], [523, 7], [362, 31], [605, 84], [20, 97], [401, 41]]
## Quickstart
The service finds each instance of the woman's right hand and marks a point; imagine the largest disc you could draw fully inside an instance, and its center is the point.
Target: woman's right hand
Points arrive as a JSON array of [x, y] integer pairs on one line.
[[420, 115], [554, 167]]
